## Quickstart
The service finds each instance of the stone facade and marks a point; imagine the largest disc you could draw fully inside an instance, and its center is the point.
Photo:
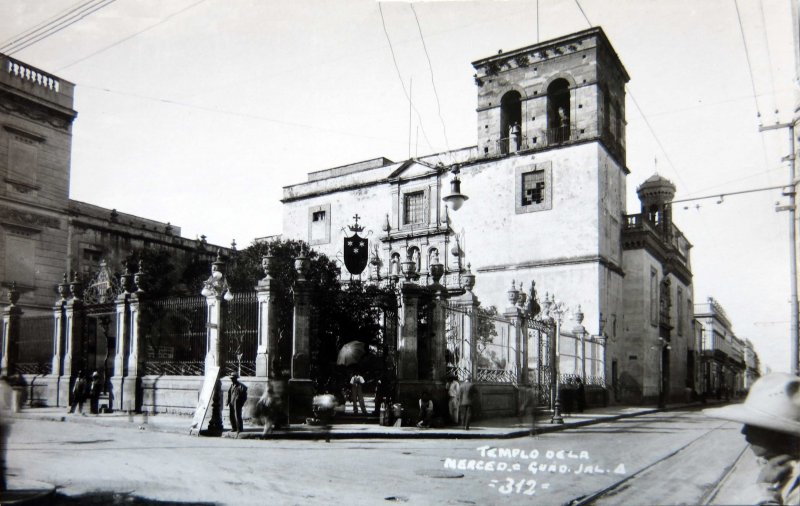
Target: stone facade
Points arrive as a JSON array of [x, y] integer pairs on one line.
[[546, 185], [725, 366], [43, 233]]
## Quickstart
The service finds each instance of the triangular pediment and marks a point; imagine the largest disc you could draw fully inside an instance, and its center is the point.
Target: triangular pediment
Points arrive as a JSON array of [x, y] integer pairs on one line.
[[411, 169]]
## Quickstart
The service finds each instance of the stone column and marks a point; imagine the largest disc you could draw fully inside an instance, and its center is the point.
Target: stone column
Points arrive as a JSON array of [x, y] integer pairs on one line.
[[54, 396], [11, 329], [73, 333], [407, 358], [469, 302], [267, 351], [122, 401], [214, 289], [438, 322], [132, 388], [301, 388]]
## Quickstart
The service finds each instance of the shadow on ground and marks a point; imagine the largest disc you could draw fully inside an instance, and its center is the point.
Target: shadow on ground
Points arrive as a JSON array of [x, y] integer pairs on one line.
[[116, 499]]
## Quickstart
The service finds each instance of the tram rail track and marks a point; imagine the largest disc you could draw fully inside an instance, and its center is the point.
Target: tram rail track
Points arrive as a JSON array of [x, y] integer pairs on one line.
[[625, 482]]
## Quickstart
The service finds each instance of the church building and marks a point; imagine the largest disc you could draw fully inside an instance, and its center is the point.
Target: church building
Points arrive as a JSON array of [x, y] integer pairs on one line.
[[546, 184]]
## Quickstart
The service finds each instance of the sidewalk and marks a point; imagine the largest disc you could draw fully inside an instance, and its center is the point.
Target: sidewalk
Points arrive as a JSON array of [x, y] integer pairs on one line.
[[487, 428]]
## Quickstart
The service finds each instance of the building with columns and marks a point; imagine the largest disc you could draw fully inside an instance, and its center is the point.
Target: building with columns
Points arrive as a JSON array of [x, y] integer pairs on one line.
[[546, 183]]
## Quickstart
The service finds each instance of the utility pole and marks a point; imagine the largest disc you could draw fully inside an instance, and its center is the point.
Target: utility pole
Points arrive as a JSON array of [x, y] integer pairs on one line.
[[790, 192]]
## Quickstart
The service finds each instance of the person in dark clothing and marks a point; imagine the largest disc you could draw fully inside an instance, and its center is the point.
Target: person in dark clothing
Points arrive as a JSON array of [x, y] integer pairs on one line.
[[95, 387], [78, 393], [580, 396], [237, 395]]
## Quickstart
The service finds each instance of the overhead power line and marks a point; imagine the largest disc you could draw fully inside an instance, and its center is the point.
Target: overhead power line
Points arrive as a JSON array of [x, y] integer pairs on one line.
[[55, 28], [400, 77], [433, 82], [129, 37], [30, 32], [728, 194]]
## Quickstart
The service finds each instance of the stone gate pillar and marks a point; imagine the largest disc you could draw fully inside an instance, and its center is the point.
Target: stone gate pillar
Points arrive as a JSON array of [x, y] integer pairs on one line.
[[438, 323], [267, 351], [301, 388], [515, 316], [73, 334], [122, 401], [11, 330], [215, 289], [54, 397], [407, 349]]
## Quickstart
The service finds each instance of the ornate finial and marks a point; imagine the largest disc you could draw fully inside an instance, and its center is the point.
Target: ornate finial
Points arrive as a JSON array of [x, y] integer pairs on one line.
[[140, 278], [233, 245], [203, 239], [468, 279], [114, 215], [513, 293], [533, 304], [356, 228], [75, 286], [579, 315], [126, 281], [265, 261], [63, 288], [436, 267], [13, 294], [301, 266], [386, 225], [168, 229]]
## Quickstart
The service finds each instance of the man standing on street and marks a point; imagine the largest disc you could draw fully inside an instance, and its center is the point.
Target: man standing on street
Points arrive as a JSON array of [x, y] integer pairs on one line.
[[237, 395], [357, 392], [467, 391]]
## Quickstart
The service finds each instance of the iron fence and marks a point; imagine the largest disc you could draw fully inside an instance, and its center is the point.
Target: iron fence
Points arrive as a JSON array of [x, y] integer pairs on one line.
[[241, 333], [174, 333], [35, 346]]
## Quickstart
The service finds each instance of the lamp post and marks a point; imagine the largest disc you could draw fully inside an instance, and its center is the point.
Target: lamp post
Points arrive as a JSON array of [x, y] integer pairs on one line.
[[557, 310]]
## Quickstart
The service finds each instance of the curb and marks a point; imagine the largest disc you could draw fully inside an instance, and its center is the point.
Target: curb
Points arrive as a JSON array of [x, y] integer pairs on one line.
[[304, 433]]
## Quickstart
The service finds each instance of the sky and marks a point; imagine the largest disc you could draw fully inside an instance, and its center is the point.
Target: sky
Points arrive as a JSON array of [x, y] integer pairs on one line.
[[199, 112]]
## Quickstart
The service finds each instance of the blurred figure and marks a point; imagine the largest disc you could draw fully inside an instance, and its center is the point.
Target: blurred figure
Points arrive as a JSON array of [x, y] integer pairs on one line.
[[237, 395], [467, 393], [270, 411], [771, 418], [6, 400], [425, 410], [453, 392], [79, 391], [357, 391], [529, 404]]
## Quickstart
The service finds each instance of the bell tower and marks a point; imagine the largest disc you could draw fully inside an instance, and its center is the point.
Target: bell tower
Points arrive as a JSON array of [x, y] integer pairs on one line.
[[564, 91]]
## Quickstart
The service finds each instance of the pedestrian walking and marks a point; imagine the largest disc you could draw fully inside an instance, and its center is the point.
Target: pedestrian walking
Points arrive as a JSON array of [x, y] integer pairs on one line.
[[95, 387], [467, 394], [453, 393], [237, 395], [357, 392], [79, 392], [771, 418]]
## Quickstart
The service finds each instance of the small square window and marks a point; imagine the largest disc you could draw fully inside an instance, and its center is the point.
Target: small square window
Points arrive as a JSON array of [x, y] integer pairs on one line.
[[533, 187], [318, 216], [319, 224]]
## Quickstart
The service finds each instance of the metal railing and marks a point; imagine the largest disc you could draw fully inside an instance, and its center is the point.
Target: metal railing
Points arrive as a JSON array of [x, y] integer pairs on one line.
[[174, 333], [35, 346], [241, 333]]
